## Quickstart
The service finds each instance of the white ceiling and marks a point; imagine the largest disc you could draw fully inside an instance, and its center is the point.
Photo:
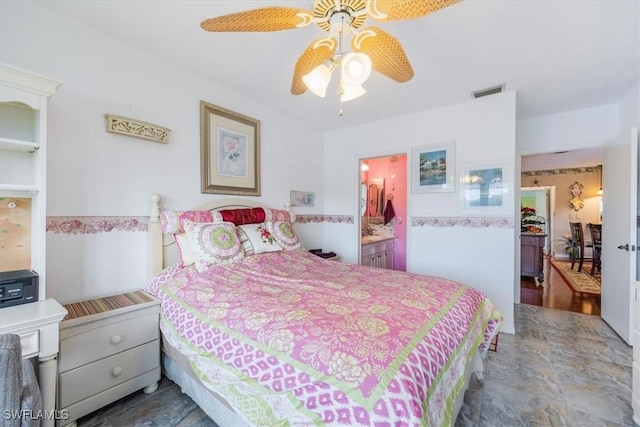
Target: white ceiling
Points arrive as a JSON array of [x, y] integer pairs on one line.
[[559, 55]]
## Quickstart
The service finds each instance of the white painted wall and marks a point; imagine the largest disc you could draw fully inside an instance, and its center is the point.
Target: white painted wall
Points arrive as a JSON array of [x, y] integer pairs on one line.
[[484, 131], [95, 173], [574, 130], [629, 108]]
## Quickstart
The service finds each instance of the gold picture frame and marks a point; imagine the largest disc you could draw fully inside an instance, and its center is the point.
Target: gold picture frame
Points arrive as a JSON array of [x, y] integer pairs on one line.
[[229, 152]]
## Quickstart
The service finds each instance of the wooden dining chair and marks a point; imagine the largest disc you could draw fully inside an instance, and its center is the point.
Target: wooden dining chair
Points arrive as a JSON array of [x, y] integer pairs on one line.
[[596, 242], [577, 244]]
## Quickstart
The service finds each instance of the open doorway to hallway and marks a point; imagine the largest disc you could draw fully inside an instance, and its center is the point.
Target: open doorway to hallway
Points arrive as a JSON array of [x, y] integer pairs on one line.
[[558, 189]]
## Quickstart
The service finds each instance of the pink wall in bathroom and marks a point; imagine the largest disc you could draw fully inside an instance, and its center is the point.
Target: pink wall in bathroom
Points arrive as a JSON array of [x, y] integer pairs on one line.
[[395, 182]]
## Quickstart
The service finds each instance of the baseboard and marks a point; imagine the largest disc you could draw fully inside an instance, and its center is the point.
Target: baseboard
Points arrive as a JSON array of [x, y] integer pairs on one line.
[[508, 330]]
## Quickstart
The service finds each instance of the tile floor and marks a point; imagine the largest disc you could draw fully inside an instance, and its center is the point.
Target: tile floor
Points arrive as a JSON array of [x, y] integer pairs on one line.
[[560, 369]]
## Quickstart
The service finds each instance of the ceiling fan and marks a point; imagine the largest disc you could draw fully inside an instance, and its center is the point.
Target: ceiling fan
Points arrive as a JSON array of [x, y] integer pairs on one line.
[[372, 47]]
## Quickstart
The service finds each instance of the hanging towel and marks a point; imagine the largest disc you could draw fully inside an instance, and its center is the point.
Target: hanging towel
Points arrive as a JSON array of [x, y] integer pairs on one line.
[[388, 213]]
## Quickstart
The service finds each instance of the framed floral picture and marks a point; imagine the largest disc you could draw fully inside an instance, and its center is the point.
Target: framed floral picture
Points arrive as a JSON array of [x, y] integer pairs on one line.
[[487, 189], [433, 168], [302, 198], [229, 152]]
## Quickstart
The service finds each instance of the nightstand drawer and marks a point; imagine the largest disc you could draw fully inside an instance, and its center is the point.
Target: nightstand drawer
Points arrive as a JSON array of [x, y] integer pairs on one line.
[[95, 377], [102, 341]]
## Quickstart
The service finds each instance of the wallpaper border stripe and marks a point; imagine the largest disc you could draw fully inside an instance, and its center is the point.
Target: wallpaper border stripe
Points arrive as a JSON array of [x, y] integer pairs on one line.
[[106, 224], [563, 171], [96, 224], [336, 219], [465, 222]]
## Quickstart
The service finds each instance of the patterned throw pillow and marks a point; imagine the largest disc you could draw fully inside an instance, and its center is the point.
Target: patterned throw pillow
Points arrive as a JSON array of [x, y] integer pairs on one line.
[[247, 246], [261, 238], [213, 243], [284, 234], [279, 215], [187, 257], [172, 222]]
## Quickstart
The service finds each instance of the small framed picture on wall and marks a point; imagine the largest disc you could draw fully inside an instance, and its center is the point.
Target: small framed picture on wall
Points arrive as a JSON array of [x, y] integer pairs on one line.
[[433, 168], [302, 198]]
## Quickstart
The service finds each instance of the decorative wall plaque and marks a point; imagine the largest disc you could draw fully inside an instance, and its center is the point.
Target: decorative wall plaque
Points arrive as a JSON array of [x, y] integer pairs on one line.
[[137, 128], [576, 202]]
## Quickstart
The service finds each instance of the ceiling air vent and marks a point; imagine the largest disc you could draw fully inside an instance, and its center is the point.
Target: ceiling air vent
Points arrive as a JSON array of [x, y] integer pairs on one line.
[[488, 91]]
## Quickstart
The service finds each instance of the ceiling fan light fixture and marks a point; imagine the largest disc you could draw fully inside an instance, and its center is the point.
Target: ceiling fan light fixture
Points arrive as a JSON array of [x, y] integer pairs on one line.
[[373, 48], [318, 80], [356, 68], [349, 92]]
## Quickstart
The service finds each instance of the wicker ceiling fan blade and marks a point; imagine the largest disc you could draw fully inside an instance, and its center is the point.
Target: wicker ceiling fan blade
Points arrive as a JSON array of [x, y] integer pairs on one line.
[[386, 53], [395, 10], [319, 51], [260, 20]]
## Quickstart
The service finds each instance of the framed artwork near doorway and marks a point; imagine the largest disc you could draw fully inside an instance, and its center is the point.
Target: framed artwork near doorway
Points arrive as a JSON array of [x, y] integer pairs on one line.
[[487, 189], [433, 168]]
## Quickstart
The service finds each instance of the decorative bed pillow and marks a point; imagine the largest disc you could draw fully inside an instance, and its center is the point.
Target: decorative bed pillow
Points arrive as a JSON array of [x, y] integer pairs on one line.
[[187, 257], [172, 222], [261, 238], [241, 216], [247, 246], [244, 216], [284, 234], [213, 243], [279, 215]]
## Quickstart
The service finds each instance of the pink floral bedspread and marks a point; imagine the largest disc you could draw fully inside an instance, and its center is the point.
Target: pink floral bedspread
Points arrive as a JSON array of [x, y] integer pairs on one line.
[[290, 336]]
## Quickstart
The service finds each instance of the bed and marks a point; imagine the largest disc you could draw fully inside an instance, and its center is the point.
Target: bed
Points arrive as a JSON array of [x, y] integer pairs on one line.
[[284, 337]]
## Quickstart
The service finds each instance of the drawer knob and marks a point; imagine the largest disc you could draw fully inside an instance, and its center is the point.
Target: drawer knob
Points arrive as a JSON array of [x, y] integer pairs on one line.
[[116, 339], [116, 371]]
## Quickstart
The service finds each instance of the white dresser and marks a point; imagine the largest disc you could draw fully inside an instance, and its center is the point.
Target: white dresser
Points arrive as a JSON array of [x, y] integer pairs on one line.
[[109, 348]]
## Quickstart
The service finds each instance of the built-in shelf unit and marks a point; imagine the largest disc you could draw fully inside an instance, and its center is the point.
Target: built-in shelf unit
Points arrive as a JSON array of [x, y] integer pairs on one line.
[[23, 154]]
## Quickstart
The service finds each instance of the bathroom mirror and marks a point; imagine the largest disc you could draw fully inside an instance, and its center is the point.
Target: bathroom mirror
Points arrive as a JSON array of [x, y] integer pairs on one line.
[[375, 196], [363, 199]]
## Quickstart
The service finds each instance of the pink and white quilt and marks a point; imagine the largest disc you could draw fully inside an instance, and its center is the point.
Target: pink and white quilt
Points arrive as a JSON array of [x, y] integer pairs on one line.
[[288, 338]]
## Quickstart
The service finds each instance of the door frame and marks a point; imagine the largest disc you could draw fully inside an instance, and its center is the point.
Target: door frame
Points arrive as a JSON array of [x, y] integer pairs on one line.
[[386, 154], [550, 194], [518, 195]]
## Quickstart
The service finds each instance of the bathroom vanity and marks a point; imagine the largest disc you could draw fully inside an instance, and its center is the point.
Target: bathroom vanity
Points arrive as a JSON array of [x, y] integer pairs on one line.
[[377, 251]]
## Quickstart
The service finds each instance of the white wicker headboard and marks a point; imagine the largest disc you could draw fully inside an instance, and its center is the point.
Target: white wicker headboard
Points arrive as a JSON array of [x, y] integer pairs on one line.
[[163, 252]]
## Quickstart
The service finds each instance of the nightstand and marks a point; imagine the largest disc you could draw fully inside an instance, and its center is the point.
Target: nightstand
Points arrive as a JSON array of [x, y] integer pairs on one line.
[[109, 348]]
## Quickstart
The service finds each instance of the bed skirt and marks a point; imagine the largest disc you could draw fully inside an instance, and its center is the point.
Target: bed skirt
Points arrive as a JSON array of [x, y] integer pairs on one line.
[[176, 367]]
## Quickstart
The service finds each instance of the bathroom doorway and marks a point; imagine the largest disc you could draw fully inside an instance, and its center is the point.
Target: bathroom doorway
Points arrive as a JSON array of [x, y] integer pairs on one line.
[[383, 203]]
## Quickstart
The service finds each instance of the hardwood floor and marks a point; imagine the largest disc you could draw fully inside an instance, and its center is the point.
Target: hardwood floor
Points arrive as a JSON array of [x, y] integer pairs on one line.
[[555, 293]]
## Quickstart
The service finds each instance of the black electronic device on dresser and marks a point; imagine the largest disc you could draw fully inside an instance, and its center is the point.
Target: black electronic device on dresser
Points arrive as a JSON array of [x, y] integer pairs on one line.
[[18, 287]]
